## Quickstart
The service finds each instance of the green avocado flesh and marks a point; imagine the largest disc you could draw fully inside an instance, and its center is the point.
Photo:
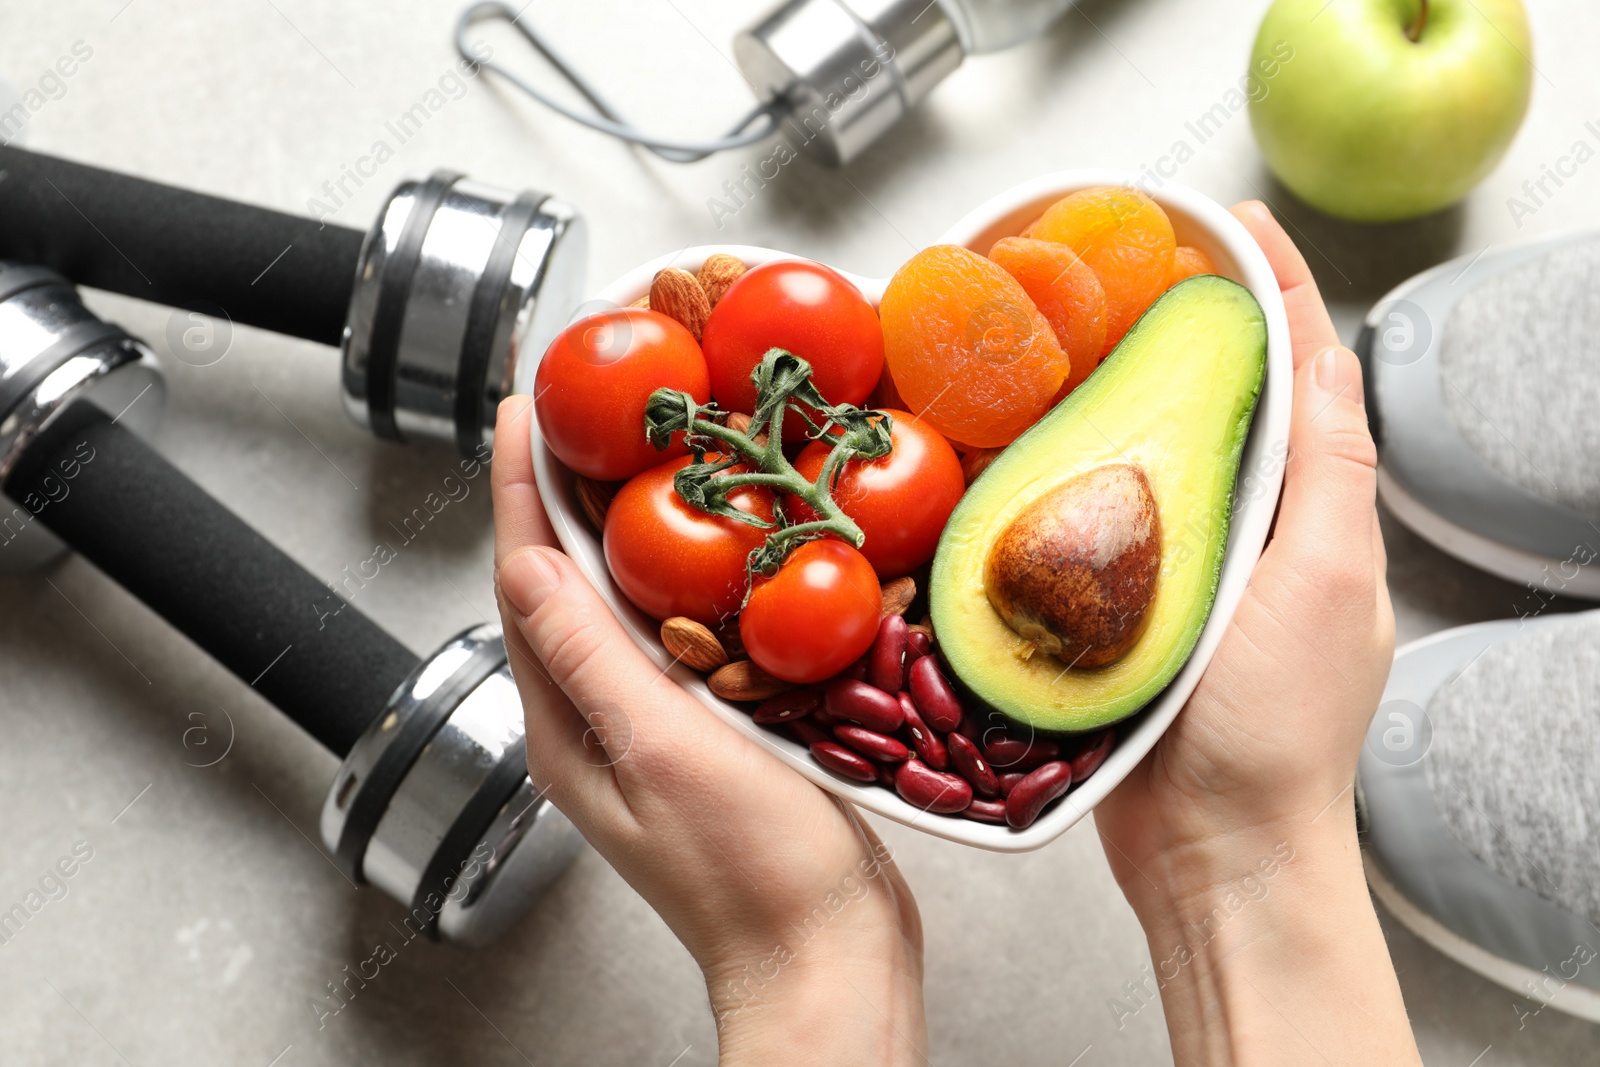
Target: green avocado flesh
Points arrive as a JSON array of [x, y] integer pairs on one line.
[[1175, 398]]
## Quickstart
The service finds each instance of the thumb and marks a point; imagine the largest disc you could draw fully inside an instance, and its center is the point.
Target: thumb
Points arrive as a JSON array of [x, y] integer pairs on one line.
[[1330, 483]]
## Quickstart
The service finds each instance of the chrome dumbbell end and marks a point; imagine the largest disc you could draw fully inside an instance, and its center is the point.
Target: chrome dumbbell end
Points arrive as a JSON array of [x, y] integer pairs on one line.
[[456, 278], [434, 806], [431, 306], [433, 803], [54, 352]]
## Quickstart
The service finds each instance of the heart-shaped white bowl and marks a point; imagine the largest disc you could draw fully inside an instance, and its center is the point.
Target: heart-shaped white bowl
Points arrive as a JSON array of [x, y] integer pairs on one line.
[[1198, 221]]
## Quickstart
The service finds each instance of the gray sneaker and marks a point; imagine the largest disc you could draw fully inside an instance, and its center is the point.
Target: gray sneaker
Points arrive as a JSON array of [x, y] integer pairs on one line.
[[1479, 790], [1483, 379]]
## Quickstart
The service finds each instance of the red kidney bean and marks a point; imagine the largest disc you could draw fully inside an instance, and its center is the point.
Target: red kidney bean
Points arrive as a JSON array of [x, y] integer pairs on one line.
[[934, 697], [824, 717], [886, 775], [883, 659], [1015, 754], [841, 760], [932, 750], [1009, 781], [864, 704], [971, 727], [1041, 786], [917, 646], [1088, 761], [808, 732], [856, 670], [786, 707], [871, 744], [968, 762], [985, 810], [931, 790]]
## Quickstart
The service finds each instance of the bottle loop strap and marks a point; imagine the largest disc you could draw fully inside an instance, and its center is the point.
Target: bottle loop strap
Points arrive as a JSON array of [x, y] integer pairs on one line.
[[757, 125]]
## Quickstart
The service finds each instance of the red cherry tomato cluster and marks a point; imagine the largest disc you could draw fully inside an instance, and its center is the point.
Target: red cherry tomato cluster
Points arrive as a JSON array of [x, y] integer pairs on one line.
[[819, 612]]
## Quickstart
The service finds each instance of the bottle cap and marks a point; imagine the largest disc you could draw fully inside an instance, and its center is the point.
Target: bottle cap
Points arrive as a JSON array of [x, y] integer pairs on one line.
[[848, 69]]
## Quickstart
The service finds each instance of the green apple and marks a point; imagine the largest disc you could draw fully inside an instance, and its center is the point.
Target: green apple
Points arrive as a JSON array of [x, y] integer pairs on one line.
[[1381, 110]]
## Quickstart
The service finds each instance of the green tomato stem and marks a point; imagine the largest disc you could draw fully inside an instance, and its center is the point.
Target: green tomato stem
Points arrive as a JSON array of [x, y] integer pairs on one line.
[[781, 379]]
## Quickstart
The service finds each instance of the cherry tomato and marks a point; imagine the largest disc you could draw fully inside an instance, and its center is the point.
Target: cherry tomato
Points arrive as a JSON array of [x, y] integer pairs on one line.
[[902, 501], [592, 384], [670, 559], [816, 616], [806, 308]]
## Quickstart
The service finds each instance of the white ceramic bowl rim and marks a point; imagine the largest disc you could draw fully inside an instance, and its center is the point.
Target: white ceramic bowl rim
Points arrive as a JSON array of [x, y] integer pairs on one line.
[[1198, 220]]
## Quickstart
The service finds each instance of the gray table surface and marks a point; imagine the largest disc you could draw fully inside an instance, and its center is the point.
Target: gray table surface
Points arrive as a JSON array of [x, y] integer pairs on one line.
[[207, 917]]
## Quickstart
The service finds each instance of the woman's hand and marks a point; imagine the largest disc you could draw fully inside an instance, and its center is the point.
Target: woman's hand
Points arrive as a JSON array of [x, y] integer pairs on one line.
[[1273, 730], [1235, 838], [808, 936]]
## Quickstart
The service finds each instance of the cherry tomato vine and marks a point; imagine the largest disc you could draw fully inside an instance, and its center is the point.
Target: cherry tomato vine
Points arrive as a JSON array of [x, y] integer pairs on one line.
[[783, 388]]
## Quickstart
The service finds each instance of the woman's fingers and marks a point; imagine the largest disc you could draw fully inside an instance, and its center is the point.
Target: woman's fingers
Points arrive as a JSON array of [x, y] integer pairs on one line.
[[1328, 517], [1310, 328], [564, 756], [1325, 523], [519, 518]]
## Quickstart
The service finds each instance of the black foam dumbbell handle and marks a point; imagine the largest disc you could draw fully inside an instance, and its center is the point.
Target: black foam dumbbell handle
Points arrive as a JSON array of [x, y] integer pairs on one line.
[[280, 272], [256, 611]]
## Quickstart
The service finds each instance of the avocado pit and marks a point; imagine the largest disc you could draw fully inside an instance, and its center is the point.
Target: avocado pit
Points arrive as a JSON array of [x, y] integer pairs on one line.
[[1074, 573]]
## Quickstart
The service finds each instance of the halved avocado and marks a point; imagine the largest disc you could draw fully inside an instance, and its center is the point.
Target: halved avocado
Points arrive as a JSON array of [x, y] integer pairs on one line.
[[1173, 402]]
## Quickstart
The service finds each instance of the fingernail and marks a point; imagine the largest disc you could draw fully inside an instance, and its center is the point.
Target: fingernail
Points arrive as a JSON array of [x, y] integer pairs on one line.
[[527, 579], [512, 407], [1338, 372]]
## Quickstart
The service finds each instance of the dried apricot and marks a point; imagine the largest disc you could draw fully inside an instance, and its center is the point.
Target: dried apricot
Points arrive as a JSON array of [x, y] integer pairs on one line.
[[968, 348], [1067, 293], [1125, 237], [1187, 261]]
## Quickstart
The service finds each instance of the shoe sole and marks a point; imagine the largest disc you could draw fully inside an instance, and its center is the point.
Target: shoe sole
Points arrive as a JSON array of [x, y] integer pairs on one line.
[[1475, 550], [1570, 998], [1478, 897], [1428, 475]]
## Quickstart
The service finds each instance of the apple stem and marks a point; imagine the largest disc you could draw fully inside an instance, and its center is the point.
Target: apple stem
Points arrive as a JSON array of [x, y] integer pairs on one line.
[[1414, 33]]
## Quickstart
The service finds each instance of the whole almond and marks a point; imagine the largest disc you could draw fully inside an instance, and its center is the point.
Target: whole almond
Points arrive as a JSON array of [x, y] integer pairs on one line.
[[740, 422], [717, 273], [743, 680], [642, 302], [898, 593], [677, 294], [691, 644], [595, 500]]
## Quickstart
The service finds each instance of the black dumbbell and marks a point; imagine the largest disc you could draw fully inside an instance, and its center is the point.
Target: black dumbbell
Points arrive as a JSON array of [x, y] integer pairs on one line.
[[430, 308], [432, 803]]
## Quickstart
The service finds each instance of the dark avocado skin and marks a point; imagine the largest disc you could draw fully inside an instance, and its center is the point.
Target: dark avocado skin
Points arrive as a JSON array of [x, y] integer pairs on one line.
[[1175, 399]]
